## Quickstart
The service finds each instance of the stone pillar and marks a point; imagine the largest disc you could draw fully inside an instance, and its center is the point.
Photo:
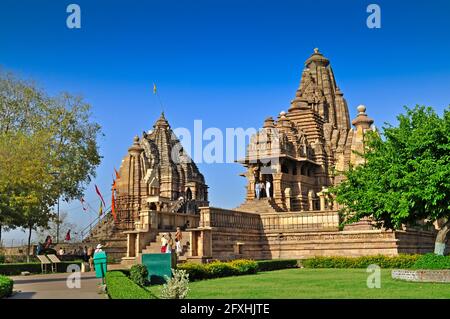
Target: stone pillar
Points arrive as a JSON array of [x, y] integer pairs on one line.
[[311, 200], [287, 195], [322, 199]]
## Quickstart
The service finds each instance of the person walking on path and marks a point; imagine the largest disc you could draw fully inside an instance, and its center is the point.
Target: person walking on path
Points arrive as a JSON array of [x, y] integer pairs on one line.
[[178, 238]]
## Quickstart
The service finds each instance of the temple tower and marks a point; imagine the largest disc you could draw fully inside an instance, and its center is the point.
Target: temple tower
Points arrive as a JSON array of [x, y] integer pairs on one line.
[[311, 144]]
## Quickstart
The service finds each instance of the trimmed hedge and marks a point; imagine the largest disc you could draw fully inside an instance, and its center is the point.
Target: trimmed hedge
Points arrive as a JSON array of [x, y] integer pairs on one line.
[[245, 267], [219, 269], [34, 268], [401, 261], [276, 264], [139, 274], [238, 267], [432, 261], [119, 286], [6, 287], [195, 271]]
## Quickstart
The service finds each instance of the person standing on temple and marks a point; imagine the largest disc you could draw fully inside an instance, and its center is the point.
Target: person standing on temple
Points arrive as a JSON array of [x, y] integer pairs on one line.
[[257, 189], [263, 190], [268, 189]]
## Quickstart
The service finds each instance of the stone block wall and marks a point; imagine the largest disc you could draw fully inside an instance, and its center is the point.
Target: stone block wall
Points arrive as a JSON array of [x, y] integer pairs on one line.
[[300, 235], [421, 275]]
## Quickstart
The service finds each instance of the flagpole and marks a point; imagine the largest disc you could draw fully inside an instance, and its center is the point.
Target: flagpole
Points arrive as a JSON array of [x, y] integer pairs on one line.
[[155, 91]]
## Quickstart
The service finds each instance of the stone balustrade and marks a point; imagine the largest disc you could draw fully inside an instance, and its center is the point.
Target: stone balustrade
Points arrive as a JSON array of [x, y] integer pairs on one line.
[[297, 221], [301, 221]]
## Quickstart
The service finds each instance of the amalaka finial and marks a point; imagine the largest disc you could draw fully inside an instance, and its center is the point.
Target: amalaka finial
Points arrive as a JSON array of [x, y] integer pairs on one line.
[[361, 108], [316, 50]]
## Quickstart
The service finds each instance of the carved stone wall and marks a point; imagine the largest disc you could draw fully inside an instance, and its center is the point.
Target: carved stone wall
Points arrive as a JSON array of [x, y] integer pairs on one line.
[[233, 234]]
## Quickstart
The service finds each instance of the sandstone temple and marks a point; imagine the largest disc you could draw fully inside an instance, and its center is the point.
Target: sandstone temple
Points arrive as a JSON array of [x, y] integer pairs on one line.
[[296, 156]]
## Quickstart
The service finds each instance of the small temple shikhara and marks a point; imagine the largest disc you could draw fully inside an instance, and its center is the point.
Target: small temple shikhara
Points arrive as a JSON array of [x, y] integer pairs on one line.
[[296, 156]]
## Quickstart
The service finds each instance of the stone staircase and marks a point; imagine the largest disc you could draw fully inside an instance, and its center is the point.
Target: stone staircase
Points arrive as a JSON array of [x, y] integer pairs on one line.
[[155, 246], [261, 206], [105, 232]]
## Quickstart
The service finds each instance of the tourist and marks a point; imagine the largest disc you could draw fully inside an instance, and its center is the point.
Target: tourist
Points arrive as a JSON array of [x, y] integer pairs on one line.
[[178, 238], [67, 239], [61, 252], [268, 189], [39, 249], [48, 242], [85, 254], [263, 190], [257, 190], [98, 248], [164, 242], [169, 244], [90, 255]]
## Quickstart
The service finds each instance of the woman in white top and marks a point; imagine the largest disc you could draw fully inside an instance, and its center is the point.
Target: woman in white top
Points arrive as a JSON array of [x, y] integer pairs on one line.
[[169, 244], [163, 243]]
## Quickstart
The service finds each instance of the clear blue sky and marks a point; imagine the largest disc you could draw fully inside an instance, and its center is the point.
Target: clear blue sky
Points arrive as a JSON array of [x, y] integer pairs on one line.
[[229, 63]]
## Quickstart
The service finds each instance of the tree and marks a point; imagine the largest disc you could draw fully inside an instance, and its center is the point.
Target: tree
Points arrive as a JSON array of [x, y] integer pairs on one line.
[[406, 175], [64, 226], [40, 136], [25, 179]]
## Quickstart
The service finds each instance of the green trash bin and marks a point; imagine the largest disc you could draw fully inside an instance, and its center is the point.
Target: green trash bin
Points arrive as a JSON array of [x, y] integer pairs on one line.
[[100, 264]]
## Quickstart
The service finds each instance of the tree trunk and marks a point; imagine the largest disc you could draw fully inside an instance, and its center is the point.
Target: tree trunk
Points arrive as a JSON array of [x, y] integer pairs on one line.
[[441, 238], [30, 229]]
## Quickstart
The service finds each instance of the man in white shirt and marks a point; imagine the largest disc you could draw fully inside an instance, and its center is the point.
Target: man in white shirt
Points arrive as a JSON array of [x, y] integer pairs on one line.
[[268, 189]]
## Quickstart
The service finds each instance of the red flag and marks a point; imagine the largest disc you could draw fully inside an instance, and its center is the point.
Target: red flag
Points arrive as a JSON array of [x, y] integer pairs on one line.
[[113, 206], [100, 195], [117, 173]]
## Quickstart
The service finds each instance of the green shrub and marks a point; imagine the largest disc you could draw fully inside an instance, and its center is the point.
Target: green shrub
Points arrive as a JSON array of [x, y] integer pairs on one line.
[[194, 270], [268, 265], [119, 286], [245, 267], [34, 268], [432, 261], [6, 286], [139, 274], [2, 258], [401, 261], [219, 269]]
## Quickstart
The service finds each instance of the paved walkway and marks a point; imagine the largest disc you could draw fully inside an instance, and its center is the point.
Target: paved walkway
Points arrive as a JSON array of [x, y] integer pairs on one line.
[[54, 286]]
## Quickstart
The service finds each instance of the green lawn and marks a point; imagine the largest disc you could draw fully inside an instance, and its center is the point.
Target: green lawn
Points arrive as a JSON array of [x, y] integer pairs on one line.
[[312, 283]]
